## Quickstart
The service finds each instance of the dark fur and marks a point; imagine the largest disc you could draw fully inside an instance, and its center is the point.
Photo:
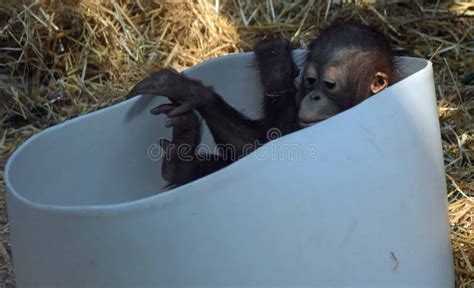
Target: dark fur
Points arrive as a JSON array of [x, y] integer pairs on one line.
[[277, 72]]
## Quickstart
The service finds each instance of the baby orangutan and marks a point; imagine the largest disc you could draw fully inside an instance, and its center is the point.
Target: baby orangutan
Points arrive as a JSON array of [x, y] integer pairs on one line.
[[345, 65]]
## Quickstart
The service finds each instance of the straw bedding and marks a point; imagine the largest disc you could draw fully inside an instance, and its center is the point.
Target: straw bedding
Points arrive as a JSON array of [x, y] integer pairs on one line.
[[61, 59]]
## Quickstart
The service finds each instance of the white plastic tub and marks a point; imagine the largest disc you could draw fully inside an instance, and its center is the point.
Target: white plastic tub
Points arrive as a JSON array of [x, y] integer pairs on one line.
[[360, 202]]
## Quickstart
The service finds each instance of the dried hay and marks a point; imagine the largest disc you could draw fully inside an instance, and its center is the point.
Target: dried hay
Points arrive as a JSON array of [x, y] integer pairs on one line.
[[60, 59]]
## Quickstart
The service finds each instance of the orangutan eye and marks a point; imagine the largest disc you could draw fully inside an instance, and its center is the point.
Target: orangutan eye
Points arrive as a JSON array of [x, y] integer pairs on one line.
[[309, 81], [329, 84]]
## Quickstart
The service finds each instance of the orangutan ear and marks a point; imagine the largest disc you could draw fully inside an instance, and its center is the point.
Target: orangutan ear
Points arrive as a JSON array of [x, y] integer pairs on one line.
[[379, 83]]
